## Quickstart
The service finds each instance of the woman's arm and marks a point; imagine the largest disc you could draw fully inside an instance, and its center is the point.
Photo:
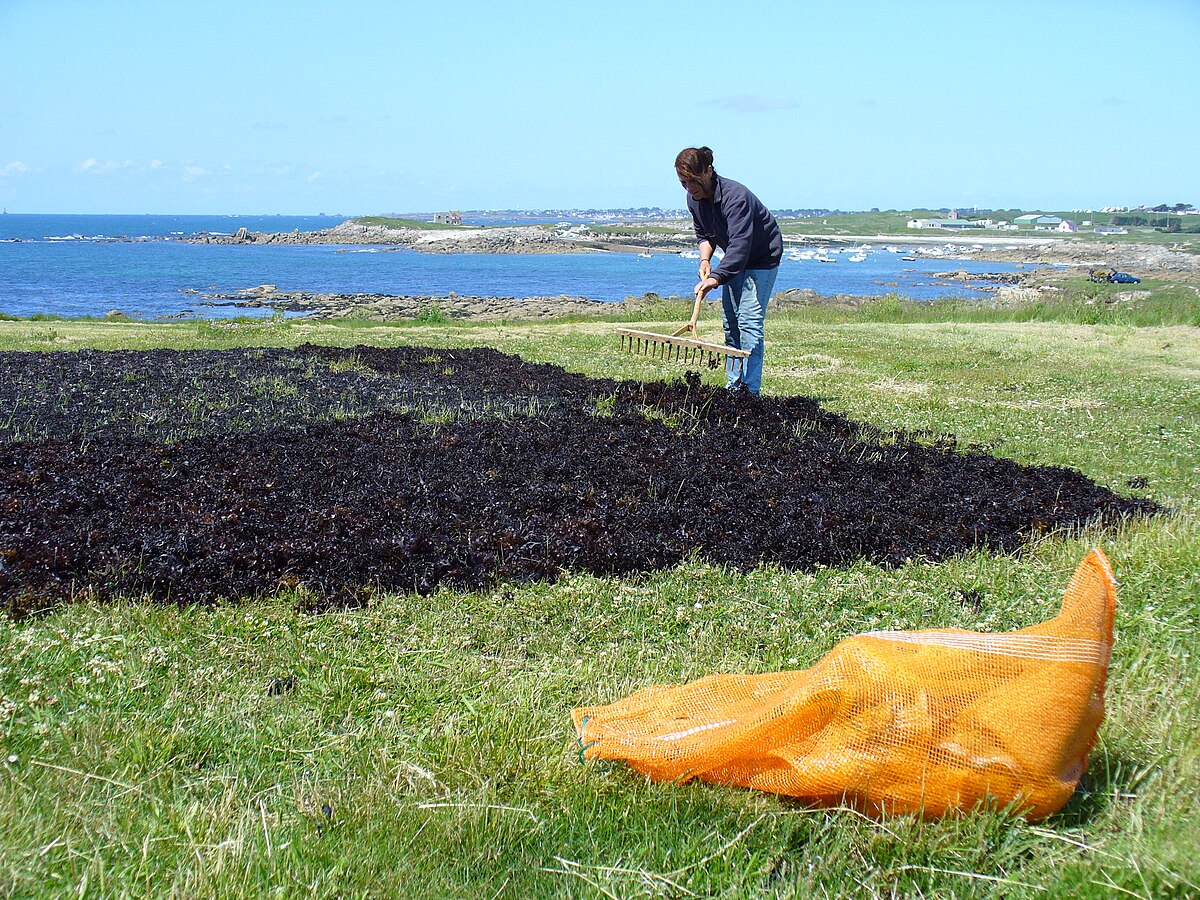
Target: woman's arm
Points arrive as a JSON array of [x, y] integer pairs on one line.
[[706, 254]]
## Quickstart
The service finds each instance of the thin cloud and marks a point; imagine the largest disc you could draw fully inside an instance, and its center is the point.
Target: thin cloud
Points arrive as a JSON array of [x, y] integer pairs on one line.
[[269, 126], [191, 173], [751, 103], [16, 167], [93, 166], [313, 177]]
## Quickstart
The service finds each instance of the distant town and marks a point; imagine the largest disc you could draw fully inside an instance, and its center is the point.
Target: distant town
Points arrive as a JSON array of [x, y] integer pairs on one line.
[[1118, 220], [1178, 217]]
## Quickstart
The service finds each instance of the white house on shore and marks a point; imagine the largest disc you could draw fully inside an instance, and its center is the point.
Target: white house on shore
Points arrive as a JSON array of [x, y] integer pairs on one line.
[[948, 224], [1067, 225]]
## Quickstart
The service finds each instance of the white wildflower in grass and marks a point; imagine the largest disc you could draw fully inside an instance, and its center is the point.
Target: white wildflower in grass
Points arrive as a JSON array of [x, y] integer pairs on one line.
[[154, 656]]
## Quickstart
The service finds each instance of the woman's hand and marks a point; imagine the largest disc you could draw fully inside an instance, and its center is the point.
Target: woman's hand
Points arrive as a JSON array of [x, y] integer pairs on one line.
[[706, 284]]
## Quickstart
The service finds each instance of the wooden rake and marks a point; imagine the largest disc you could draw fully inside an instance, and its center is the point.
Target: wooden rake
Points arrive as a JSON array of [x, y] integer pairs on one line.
[[684, 346]]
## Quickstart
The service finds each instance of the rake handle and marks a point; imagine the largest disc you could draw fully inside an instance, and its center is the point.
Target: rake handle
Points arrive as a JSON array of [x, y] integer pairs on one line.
[[690, 327]]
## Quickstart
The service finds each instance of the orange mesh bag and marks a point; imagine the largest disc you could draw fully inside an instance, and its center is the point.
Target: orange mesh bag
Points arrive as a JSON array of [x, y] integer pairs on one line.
[[897, 721]]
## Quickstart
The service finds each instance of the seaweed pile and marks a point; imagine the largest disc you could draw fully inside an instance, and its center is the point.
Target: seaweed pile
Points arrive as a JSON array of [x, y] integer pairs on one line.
[[195, 475]]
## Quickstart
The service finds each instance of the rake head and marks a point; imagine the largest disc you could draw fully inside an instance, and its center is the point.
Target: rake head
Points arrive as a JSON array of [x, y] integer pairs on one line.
[[690, 351]]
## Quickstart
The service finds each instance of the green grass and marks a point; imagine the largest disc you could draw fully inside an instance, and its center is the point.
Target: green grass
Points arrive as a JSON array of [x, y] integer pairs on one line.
[[394, 222], [896, 222], [426, 748]]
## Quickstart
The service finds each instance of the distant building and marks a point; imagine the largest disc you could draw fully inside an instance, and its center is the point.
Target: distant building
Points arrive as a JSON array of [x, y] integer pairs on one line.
[[1038, 221], [454, 217], [948, 224], [1067, 225], [1108, 229]]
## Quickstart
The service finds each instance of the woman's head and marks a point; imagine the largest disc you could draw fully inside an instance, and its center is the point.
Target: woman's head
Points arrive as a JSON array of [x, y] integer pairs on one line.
[[694, 166]]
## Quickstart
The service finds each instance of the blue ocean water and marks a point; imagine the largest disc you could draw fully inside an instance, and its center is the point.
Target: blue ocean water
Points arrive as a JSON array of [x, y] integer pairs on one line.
[[73, 266]]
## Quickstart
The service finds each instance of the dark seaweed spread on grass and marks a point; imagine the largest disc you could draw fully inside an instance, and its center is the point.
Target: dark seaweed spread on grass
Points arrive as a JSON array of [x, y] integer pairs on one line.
[[195, 475]]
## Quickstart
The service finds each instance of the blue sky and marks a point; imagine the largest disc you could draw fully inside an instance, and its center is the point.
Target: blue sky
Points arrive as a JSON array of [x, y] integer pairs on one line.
[[294, 107]]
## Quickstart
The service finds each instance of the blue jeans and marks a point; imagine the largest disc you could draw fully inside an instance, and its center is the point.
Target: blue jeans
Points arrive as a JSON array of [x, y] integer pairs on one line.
[[744, 301]]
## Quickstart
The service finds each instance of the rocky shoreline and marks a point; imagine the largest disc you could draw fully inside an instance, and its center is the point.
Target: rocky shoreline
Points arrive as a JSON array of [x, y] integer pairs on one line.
[[1006, 287]]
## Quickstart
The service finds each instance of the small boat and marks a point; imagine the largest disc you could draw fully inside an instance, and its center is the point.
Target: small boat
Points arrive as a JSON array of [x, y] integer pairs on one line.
[[645, 254], [857, 257]]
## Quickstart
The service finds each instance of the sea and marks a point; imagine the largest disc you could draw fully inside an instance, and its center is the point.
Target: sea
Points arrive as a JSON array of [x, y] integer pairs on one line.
[[90, 265]]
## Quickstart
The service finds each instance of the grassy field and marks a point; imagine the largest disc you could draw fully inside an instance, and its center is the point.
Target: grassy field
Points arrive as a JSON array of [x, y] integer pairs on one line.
[[423, 747], [394, 222]]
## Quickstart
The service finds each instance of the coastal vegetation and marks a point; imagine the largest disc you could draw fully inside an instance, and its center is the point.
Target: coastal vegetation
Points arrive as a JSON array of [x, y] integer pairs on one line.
[[896, 223], [394, 222], [421, 745]]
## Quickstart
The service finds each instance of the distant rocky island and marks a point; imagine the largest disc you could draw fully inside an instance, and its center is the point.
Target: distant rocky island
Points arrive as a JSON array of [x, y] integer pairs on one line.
[[561, 238]]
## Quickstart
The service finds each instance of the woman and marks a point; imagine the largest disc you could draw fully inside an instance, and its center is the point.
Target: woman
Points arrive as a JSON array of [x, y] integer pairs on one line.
[[728, 216]]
